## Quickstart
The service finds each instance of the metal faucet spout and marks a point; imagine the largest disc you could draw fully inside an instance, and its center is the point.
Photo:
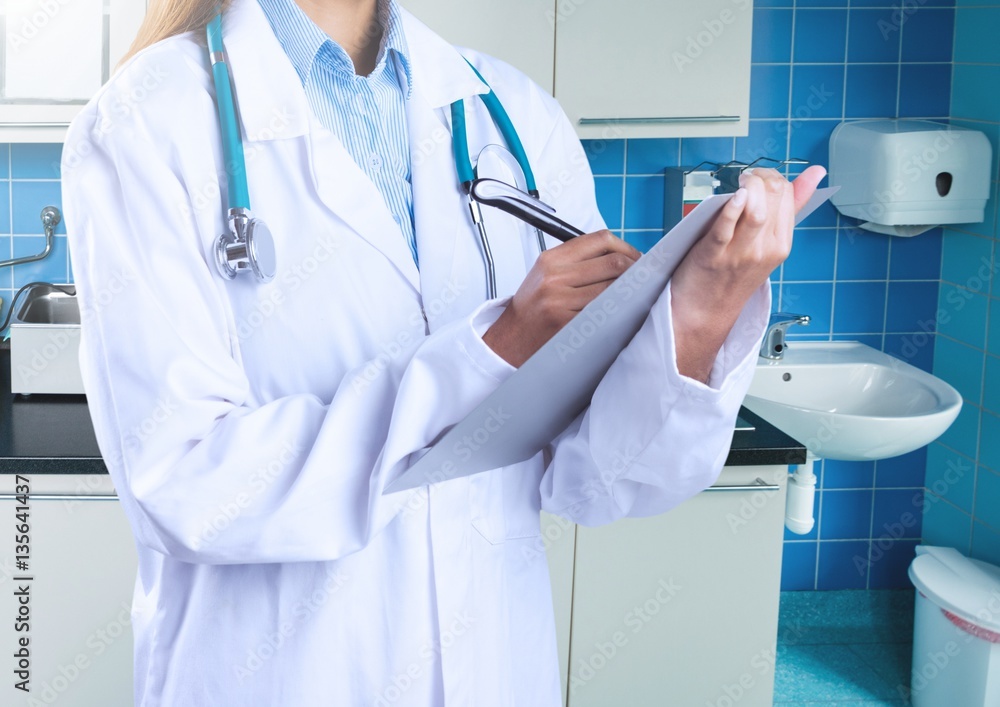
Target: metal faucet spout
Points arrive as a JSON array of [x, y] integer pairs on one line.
[[774, 345]]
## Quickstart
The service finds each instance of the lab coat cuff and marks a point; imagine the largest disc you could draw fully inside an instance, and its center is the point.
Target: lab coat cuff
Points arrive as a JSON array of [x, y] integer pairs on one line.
[[488, 360], [738, 352]]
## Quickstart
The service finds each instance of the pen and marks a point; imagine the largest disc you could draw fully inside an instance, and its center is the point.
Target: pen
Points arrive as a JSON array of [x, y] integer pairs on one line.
[[522, 206]]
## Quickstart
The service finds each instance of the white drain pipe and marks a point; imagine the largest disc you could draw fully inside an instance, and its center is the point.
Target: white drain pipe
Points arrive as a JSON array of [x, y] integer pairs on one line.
[[800, 505]]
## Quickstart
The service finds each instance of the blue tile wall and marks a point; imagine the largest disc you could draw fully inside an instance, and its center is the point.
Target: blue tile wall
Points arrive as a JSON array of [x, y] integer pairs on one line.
[[29, 181], [962, 507], [815, 64]]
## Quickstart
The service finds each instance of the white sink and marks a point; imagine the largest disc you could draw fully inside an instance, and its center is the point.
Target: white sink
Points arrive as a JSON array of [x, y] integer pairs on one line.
[[845, 400]]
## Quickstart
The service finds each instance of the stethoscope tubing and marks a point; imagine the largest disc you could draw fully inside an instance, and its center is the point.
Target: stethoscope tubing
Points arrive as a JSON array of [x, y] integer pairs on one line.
[[232, 139], [230, 262], [506, 128]]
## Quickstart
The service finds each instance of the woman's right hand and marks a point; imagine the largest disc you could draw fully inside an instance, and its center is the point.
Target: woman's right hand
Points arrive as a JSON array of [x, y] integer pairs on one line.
[[563, 281]]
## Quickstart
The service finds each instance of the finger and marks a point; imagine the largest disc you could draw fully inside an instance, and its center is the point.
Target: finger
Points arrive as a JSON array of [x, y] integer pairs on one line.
[[775, 185], [765, 173], [805, 185], [755, 212], [605, 268], [725, 223], [594, 245], [580, 297]]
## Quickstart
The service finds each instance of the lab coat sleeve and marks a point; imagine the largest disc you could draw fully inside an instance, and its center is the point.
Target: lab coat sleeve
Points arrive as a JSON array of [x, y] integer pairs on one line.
[[205, 474], [651, 437]]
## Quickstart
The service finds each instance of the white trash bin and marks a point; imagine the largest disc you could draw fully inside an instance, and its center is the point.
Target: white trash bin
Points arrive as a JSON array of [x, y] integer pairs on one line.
[[956, 633]]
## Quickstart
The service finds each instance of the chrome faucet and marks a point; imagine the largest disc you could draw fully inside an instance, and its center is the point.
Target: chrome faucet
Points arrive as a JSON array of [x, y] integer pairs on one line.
[[774, 344], [50, 219]]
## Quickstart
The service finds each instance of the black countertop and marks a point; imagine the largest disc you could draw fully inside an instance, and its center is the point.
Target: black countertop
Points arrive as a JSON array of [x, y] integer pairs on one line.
[[53, 434], [45, 434], [765, 445]]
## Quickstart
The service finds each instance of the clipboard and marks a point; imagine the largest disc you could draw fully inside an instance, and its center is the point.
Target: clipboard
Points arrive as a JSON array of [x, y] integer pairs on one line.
[[515, 422]]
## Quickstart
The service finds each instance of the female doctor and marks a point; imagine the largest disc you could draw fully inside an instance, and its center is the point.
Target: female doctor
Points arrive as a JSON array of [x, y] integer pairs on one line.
[[250, 427]]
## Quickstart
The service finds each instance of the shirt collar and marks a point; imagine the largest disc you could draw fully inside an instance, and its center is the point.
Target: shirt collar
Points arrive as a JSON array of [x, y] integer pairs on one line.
[[305, 43]]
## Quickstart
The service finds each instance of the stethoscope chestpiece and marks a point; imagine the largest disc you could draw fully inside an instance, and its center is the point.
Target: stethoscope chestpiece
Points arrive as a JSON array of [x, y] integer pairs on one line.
[[248, 247]]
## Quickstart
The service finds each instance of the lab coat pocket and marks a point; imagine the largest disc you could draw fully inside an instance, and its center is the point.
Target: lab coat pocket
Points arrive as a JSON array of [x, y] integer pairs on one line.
[[503, 504], [486, 504]]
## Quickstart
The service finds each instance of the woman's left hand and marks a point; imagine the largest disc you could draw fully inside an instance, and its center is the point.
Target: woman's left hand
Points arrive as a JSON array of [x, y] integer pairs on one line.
[[750, 238]]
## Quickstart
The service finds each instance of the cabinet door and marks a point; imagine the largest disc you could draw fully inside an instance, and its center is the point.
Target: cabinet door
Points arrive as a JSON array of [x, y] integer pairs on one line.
[[520, 32], [654, 68], [83, 565], [56, 55], [559, 538], [682, 608]]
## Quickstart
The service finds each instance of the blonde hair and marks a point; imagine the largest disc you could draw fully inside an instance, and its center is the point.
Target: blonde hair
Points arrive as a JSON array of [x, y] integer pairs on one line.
[[167, 18]]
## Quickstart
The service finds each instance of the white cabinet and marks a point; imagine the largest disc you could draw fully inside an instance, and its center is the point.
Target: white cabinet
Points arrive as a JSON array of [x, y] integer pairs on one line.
[[559, 540], [681, 608], [83, 565], [56, 55], [642, 68], [518, 31], [651, 68]]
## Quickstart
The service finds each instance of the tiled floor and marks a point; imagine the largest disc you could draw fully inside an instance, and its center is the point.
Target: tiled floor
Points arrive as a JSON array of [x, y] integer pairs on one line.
[[844, 649]]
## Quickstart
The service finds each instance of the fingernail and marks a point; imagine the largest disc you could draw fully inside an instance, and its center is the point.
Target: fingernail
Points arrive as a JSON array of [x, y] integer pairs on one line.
[[740, 197]]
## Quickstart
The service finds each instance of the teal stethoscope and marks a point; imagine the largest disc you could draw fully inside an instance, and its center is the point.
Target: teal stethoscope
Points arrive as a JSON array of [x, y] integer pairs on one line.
[[249, 245]]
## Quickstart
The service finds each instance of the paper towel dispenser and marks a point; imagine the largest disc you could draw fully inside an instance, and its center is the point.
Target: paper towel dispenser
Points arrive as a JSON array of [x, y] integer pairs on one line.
[[904, 177]]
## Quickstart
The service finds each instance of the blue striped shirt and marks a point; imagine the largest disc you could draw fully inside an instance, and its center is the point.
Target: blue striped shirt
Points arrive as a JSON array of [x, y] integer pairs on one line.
[[367, 113]]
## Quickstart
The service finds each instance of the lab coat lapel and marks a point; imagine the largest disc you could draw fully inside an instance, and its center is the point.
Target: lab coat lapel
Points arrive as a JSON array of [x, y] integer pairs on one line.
[[451, 285], [354, 198], [266, 86], [440, 212]]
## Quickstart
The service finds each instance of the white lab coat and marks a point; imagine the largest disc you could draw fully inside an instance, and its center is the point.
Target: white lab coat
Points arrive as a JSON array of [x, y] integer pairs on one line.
[[251, 429]]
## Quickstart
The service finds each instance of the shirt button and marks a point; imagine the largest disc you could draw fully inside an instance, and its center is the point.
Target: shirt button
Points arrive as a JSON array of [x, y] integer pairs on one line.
[[376, 162]]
